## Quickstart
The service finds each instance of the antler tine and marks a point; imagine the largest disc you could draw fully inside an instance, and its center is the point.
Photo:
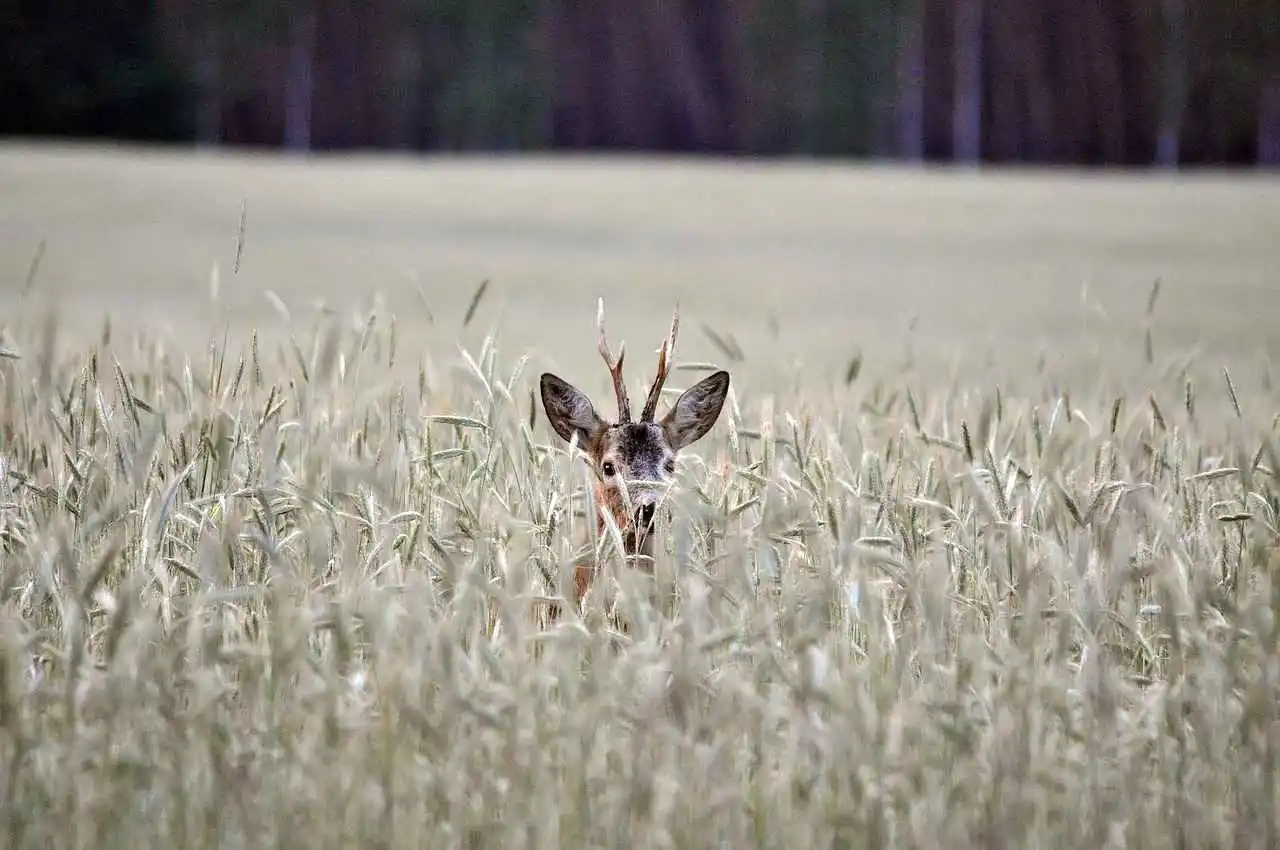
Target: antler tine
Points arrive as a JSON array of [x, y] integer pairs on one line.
[[665, 357], [615, 367]]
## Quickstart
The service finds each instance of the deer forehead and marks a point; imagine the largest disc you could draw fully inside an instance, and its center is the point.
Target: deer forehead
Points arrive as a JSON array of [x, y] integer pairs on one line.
[[639, 445]]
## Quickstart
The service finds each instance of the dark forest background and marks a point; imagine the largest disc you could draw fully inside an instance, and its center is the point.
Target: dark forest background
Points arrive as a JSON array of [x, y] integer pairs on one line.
[[1136, 82]]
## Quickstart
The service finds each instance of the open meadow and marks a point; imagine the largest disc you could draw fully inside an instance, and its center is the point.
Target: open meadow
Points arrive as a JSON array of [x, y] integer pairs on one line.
[[983, 550]]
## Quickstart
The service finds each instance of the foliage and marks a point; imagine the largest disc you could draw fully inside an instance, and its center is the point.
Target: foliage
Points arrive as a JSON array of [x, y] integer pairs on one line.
[[773, 76], [489, 88], [61, 76]]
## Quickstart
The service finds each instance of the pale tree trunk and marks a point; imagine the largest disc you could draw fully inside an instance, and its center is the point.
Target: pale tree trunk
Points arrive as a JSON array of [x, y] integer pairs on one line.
[[1041, 95], [199, 32], [671, 39], [909, 108], [208, 78], [1005, 130], [1108, 93], [632, 122], [300, 82], [405, 111], [736, 67], [1268, 155], [966, 115], [811, 68], [1173, 97]]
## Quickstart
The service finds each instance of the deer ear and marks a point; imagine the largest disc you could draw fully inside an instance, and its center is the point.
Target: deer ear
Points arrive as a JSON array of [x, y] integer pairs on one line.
[[696, 411], [569, 411]]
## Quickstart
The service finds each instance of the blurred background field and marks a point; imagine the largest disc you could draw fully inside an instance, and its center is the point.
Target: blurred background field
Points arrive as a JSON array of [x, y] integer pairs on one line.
[[1017, 275]]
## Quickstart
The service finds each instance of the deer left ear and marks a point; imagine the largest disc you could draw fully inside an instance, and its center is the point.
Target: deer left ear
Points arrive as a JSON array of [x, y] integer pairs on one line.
[[696, 411], [569, 411]]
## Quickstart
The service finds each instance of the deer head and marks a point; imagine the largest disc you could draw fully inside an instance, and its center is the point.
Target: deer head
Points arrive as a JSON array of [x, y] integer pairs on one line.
[[633, 461]]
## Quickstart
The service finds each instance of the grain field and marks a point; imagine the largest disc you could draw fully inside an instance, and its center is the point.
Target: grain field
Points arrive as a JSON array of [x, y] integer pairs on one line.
[[982, 552]]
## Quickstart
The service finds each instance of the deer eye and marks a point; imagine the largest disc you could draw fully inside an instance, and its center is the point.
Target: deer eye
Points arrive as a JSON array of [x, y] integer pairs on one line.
[[608, 469], [669, 466]]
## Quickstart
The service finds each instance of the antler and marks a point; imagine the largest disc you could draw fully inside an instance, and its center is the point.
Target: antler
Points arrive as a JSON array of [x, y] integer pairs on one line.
[[615, 367], [665, 355]]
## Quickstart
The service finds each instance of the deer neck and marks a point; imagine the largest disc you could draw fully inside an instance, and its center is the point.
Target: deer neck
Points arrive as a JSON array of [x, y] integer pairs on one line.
[[632, 544]]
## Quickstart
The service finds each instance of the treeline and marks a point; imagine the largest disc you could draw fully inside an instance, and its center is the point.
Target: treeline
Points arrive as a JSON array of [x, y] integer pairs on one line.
[[1077, 81]]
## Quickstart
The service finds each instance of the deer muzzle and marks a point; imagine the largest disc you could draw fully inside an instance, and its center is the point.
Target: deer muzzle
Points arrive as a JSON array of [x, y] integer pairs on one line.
[[644, 517]]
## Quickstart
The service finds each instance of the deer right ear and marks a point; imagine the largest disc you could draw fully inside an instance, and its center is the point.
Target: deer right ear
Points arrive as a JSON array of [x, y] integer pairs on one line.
[[696, 410], [569, 411]]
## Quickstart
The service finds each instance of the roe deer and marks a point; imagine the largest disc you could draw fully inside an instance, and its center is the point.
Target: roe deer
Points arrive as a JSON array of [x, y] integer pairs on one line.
[[633, 461]]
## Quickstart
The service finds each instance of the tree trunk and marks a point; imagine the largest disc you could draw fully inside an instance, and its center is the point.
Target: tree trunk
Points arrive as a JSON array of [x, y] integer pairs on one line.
[[1173, 95], [1003, 129], [694, 105], [300, 82], [1041, 95], [810, 70], [1108, 84], [966, 114], [909, 109], [634, 120], [579, 50], [406, 112], [1268, 155], [208, 79], [735, 66]]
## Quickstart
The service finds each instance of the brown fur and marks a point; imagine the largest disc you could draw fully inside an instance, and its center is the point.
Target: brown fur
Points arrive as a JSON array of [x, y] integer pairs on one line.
[[624, 453]]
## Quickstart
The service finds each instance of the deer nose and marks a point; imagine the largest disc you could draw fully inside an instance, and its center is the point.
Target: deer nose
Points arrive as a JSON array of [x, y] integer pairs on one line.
[[644, 516]]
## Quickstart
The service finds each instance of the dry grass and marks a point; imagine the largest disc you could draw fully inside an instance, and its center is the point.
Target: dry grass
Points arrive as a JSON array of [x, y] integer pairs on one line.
[[274, 593]]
